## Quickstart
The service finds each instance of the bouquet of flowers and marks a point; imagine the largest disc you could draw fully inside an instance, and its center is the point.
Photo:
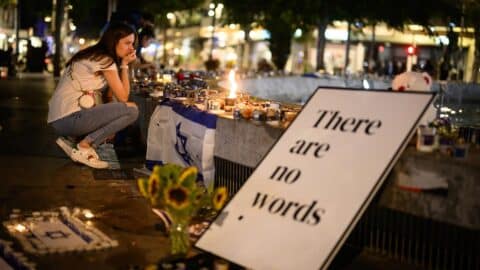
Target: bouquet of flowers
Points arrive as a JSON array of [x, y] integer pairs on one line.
[[175, 189]]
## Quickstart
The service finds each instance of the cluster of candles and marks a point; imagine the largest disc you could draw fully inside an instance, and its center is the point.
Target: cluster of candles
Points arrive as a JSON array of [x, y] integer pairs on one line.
[[241, 107], [231, 103], [164, 78]]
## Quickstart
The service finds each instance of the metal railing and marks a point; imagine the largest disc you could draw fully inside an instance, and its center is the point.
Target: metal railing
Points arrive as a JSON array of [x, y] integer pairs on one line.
[[404, 237]]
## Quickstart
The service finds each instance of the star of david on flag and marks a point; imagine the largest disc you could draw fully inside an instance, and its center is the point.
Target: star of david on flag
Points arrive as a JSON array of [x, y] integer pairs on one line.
[[182, 135]]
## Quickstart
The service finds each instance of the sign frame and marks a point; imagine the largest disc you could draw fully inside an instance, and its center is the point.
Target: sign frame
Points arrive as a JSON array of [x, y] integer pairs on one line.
[[378, 183]]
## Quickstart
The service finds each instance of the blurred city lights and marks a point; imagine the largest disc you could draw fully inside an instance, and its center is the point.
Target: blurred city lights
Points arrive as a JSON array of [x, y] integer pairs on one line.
[[411, 50], [72, 27], [298, 33]]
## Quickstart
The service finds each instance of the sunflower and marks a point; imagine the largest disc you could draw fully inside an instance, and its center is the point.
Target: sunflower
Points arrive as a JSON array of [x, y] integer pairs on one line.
[[177, 196], [199, 195], [219, 197], [188, 175]]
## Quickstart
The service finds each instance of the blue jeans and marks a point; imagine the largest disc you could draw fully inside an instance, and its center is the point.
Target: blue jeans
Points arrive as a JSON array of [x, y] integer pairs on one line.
[[97, 123]]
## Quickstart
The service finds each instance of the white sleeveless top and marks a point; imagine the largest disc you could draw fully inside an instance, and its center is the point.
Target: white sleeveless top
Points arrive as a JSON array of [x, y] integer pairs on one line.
[[81, 75]]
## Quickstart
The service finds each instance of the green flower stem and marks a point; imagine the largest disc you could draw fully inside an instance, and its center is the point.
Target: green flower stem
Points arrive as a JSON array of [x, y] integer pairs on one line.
[[179, 238]]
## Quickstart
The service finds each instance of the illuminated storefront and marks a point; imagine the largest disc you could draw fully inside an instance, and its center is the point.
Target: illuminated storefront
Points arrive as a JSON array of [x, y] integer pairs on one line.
[[390, 46]]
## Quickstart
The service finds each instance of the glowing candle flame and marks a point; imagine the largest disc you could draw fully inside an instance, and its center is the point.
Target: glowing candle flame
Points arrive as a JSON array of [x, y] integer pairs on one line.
[[88, 214], [233, 84], [20, 228], [167, 78]]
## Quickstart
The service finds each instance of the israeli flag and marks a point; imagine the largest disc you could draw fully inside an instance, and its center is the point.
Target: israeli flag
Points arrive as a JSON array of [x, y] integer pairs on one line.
[[182, 135]]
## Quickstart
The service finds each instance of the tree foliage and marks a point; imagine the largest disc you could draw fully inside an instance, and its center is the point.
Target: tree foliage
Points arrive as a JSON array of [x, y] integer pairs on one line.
[[81, 14], [160, 8], [279, 17], [4, 3], [32, 11], [91, 25], [471, 12]]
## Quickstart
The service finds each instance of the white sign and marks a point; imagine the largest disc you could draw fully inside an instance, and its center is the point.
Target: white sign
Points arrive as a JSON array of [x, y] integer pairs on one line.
[[300, 204]]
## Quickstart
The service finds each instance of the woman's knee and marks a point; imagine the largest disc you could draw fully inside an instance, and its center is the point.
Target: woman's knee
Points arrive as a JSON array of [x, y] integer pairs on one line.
[[131, 104], [132, 111]]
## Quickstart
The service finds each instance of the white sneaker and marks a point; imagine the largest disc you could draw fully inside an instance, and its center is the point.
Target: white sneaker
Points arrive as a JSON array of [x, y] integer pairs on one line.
[[90, 151], [66, 145], [89, 157]]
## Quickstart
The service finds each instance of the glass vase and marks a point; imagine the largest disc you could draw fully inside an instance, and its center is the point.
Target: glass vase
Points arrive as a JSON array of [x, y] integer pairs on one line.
[[179, 239]]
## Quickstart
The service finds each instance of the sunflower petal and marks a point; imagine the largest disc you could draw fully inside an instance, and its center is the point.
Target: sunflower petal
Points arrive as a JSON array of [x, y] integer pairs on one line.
[[156, 169], [142, 185], [153, 185], [188, 176]]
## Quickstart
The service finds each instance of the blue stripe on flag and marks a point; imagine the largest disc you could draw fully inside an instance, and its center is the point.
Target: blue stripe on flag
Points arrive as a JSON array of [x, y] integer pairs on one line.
[[150, 163], [192, 113]]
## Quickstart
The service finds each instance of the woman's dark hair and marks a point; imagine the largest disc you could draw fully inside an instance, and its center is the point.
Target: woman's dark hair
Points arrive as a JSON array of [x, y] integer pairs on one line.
[[104, 51]]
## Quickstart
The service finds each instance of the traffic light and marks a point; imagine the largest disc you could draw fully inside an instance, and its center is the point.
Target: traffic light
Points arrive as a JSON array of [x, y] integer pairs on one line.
[[411, 50]]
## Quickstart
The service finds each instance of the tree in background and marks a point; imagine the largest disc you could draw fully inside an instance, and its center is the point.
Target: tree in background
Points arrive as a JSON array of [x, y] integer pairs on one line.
[[162, 8], [243, 13], [394, 13], [281, 26], [319, 14], [81, 14], [471, 12], [59, 8], [279, 17]]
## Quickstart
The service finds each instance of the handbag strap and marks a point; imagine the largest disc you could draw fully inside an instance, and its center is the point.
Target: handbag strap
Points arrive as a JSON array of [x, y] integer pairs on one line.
[[70, 74]]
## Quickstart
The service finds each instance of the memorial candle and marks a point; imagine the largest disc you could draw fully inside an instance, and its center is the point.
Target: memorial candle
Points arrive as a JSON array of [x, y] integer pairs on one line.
[[232, 95]]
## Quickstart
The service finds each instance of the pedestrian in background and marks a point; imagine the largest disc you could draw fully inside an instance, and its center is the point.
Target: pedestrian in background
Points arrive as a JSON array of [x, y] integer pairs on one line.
[[75, 109]]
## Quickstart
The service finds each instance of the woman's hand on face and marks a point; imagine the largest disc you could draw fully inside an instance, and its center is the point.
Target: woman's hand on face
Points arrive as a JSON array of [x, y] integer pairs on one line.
[[129, 58]]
